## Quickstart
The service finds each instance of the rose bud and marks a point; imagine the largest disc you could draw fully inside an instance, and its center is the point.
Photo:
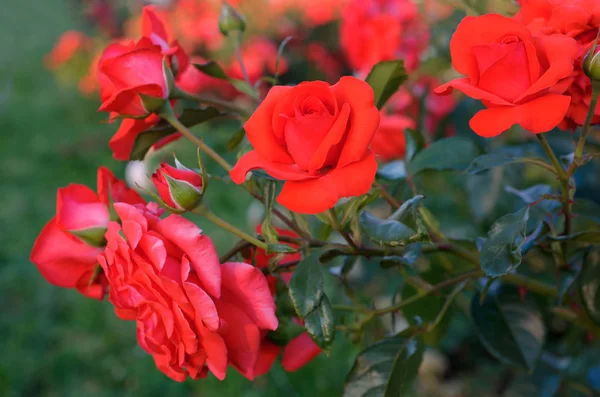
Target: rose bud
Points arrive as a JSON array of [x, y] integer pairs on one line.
[[179, 187], [231, 20], [591, 64]]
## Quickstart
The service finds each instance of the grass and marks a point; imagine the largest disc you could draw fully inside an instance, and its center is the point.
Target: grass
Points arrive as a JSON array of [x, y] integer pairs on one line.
[[55, 342]]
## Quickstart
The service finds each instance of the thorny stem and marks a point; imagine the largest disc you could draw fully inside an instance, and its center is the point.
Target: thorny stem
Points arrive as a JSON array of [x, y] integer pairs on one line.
[[211, 102], [387, 196], [565, 188], [585, 130]]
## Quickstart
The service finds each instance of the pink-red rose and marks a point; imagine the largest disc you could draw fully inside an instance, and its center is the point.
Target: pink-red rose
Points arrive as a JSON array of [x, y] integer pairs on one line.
[[315, 137], [60, 252], [516, 75], [192, 314], [178, 187]]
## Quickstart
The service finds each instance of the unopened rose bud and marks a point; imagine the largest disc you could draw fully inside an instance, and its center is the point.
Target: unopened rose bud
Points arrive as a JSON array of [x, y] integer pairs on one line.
[[591, 64], [231, 20], [179, 187]]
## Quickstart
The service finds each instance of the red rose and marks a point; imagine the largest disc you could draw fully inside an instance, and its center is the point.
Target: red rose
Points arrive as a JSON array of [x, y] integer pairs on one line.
[[180, 187], [65, 251], [389, 141], [514, 74], [121, 82], [192, 314], [579, 19], [301, 349], [315, 137], [68, 45], [381, 30]]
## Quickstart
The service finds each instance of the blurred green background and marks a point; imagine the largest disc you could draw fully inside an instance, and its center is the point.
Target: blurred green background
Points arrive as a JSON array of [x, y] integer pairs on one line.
[[54, 342]]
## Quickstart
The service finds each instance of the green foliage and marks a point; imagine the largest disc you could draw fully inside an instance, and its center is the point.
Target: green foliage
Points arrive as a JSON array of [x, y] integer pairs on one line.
[[453, 153], [588, 284], [385, 369], [306, 285], [501, 252], [385, 232], [385, 78], [510, 328]]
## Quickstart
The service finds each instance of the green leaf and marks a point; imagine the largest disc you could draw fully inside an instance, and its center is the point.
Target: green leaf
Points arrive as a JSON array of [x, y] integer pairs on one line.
[[385, 232], [446, 154], [351, 208], [385, 78], [306, 285], [385, 369], [530, 194], [511, 330], [408, 207], [503, 156], [501, 252], [392, 171], [243, 87], [588, 284], [267, 228], [235, 140], [189, 117], [212, 69], [407, 260], [320, 324], [415, 142]]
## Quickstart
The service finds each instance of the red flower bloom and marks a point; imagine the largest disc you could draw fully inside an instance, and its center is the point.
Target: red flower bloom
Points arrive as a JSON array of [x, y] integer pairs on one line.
[[579, 19], [381, 30], [300, 350], [315, 137], [121, 82], [192, 314], [61, 253], [515, 75]]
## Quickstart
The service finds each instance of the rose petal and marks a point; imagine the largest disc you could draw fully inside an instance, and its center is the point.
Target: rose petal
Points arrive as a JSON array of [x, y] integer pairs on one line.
[[299, 352], [254, 160], [539, 115], [317, 195]]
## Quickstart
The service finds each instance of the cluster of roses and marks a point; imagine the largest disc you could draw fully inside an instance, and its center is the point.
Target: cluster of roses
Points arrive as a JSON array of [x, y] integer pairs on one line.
[[194, 314], [369, 32], [527, 69]]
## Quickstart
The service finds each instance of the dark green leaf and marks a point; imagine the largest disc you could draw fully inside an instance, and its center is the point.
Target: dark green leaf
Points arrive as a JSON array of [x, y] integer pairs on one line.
[[501, 252], [415, 142], [331, 254], [392, 171], [268, 231], [385, 78], [446, 154], [385, 369], [235, 140], [212, 69], [306, 285], [243, 87], [189, 117], [320, 324], [407, 208], [351, 208], [588, 284], [503, 156], [511, 330], [385, 232]]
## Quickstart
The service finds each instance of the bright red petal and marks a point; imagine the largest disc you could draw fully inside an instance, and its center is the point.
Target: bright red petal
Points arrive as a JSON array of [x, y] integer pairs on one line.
[[247, 287], [199, 249], [299, 352], [79, 207], [317, 195], [463, 85], [254, 160], [266, 357], [539, 115], [259, 128], [364, 117], [62, 259]]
